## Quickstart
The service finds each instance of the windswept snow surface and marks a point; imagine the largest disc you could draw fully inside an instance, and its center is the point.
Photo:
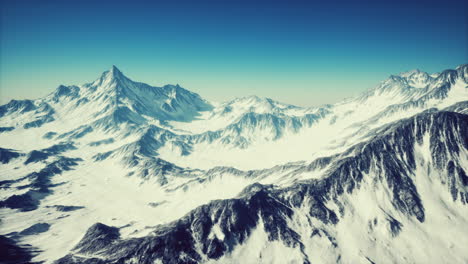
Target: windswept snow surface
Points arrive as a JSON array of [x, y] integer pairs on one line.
[[117, 171]]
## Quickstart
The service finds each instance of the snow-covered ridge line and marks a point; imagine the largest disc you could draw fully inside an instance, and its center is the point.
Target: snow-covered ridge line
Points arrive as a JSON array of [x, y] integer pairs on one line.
[[384, 172], [216, 229]]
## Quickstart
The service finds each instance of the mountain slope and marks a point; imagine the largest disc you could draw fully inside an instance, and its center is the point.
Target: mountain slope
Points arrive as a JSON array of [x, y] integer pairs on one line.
[[170, 177], [327, 206]]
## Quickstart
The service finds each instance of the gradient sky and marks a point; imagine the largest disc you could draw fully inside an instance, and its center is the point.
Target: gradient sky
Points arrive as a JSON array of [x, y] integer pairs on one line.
[[300, 52]]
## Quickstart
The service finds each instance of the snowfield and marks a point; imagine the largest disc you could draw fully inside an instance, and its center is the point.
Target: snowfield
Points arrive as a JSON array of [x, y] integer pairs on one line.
[[117, 171]]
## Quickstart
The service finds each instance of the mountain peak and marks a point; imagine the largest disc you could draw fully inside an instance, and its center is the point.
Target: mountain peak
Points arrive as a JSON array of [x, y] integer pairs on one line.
[[413, 78], [410, 73], [110, 79], [115, 72]]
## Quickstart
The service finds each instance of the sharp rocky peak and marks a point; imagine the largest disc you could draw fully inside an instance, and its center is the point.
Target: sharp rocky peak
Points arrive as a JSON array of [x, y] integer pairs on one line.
[[112, 76], [114, 73]]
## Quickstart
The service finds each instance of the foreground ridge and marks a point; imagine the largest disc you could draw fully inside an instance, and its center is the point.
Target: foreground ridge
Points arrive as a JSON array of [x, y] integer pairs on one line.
[[210, 231], [118, 171]]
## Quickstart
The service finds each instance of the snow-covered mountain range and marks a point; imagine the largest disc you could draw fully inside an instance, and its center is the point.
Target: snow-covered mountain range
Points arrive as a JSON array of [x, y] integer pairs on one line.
[[117, 171]]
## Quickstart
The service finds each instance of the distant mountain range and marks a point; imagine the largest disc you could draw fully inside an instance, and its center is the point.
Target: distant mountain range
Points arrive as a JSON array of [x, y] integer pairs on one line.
[[117, 171]]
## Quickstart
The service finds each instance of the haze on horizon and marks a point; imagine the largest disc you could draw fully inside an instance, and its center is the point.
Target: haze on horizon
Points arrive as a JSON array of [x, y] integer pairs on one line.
[[299, 52]]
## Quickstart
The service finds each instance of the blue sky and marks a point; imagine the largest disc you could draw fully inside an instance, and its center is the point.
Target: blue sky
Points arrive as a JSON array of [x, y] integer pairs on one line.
[[300, 52]]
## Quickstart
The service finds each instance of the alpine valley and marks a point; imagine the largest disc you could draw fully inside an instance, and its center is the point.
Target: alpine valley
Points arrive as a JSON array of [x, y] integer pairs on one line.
[[117, 171]]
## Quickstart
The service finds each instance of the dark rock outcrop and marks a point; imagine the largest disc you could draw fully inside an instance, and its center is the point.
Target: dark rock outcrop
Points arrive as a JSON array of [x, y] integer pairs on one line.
[[388, 159]]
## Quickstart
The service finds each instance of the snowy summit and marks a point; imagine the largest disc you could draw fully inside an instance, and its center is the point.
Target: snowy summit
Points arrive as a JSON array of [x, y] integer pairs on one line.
[[118, 171]]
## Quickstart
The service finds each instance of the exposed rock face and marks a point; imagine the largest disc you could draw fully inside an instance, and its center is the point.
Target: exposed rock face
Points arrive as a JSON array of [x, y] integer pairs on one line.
[[145, 174], [39, 186], [8, 154], [11, 253], [213, 230]]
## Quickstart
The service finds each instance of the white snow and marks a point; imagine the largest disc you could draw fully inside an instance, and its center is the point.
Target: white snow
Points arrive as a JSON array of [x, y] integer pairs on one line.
[[109, 195]]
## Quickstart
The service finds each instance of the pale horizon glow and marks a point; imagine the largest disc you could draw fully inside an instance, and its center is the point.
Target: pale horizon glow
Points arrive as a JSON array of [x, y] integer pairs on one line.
[[298, 52], [301, 92]]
